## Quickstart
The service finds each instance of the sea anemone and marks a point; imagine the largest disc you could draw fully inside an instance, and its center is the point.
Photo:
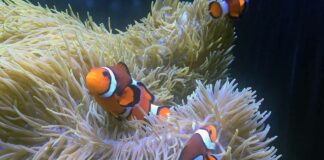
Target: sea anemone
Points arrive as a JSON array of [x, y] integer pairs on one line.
[[47, 113]]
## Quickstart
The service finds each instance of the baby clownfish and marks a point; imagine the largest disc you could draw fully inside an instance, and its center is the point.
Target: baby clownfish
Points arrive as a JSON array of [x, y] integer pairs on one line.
[[119, 94], [234, 8], [200, 144]]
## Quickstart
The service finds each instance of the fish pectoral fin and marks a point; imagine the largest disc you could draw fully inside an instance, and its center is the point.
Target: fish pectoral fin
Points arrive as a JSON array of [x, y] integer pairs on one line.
[[129, 96]]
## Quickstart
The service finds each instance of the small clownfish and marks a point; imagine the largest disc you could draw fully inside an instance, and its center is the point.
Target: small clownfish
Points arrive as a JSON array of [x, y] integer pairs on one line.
[[119, 94], [200, 144], [234, 8]]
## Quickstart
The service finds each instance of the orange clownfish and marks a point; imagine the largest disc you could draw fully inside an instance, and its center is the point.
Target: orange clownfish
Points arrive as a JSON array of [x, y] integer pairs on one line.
[[119, 94], [200, 144], [234, 8]]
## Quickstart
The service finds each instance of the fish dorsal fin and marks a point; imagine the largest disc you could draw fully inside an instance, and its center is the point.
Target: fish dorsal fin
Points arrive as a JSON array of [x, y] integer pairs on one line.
[[123, 66]]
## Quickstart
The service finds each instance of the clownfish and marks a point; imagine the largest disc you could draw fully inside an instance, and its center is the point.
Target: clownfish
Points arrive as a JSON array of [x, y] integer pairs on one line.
[[233, 8], [200, 144], [119, 94]]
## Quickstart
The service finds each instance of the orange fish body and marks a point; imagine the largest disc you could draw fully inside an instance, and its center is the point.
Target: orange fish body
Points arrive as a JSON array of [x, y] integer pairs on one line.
[[233, 8], [145, 104], [102, 83], [119, 94], [213, 157], [164, 111], [110, 105], [160, 111], [200, 144]]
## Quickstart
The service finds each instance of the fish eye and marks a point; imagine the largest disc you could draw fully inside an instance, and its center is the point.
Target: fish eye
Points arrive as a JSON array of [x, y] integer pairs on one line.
[[105, 73]]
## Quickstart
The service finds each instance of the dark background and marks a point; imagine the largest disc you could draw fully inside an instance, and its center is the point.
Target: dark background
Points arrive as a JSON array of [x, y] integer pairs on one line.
[[279, 53]]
